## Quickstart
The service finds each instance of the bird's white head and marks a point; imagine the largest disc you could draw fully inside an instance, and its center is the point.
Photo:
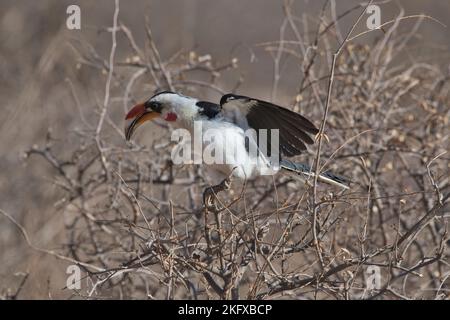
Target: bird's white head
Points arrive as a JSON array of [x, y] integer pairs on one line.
[[167, 105]]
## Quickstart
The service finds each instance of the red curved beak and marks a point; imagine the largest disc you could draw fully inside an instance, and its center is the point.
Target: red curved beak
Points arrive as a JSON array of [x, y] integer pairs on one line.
[[136, 117]]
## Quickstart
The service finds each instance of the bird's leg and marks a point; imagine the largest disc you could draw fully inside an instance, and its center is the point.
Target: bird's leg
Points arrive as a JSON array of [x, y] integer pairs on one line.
[[210, 194]]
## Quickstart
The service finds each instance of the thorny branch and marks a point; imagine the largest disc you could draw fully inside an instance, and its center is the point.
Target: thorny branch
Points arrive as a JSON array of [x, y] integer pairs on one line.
[[135, 222]]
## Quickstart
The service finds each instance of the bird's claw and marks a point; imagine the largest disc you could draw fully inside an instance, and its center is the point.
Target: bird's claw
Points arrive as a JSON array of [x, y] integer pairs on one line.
[[208, 199], [210, 194]]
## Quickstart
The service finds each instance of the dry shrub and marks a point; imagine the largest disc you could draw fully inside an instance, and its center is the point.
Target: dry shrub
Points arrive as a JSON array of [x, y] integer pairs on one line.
[[136, 225]]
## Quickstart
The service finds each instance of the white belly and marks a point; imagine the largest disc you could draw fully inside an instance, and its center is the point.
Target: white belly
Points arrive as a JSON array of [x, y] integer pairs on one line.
[[224, 151]]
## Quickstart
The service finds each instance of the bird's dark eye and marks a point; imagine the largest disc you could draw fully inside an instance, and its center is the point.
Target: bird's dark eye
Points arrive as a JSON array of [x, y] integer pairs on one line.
[[153, 106]]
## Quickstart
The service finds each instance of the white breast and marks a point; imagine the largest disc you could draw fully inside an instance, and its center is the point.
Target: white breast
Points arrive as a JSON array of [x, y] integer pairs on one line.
[[225, 153]]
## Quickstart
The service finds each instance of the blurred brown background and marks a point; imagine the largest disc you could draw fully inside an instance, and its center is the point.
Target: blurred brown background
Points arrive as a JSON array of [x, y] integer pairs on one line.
[[36, 60]]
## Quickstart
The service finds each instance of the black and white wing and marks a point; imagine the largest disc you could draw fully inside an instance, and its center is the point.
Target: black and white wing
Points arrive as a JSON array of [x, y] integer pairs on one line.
[[294, 130], [208, 109]]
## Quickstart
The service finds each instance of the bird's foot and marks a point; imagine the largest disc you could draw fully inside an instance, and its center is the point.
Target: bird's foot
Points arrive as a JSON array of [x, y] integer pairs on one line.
[[210, 194], [208, 199]]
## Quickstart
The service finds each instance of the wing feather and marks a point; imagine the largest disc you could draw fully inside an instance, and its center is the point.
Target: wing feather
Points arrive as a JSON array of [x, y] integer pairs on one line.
[[294, 129]]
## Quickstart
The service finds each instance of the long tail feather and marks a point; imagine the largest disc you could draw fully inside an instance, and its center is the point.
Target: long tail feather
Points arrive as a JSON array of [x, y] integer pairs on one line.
[[305, 170]]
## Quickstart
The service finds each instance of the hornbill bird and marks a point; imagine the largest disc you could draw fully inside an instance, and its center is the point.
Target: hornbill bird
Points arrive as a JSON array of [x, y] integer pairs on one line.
[[231, 118]]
